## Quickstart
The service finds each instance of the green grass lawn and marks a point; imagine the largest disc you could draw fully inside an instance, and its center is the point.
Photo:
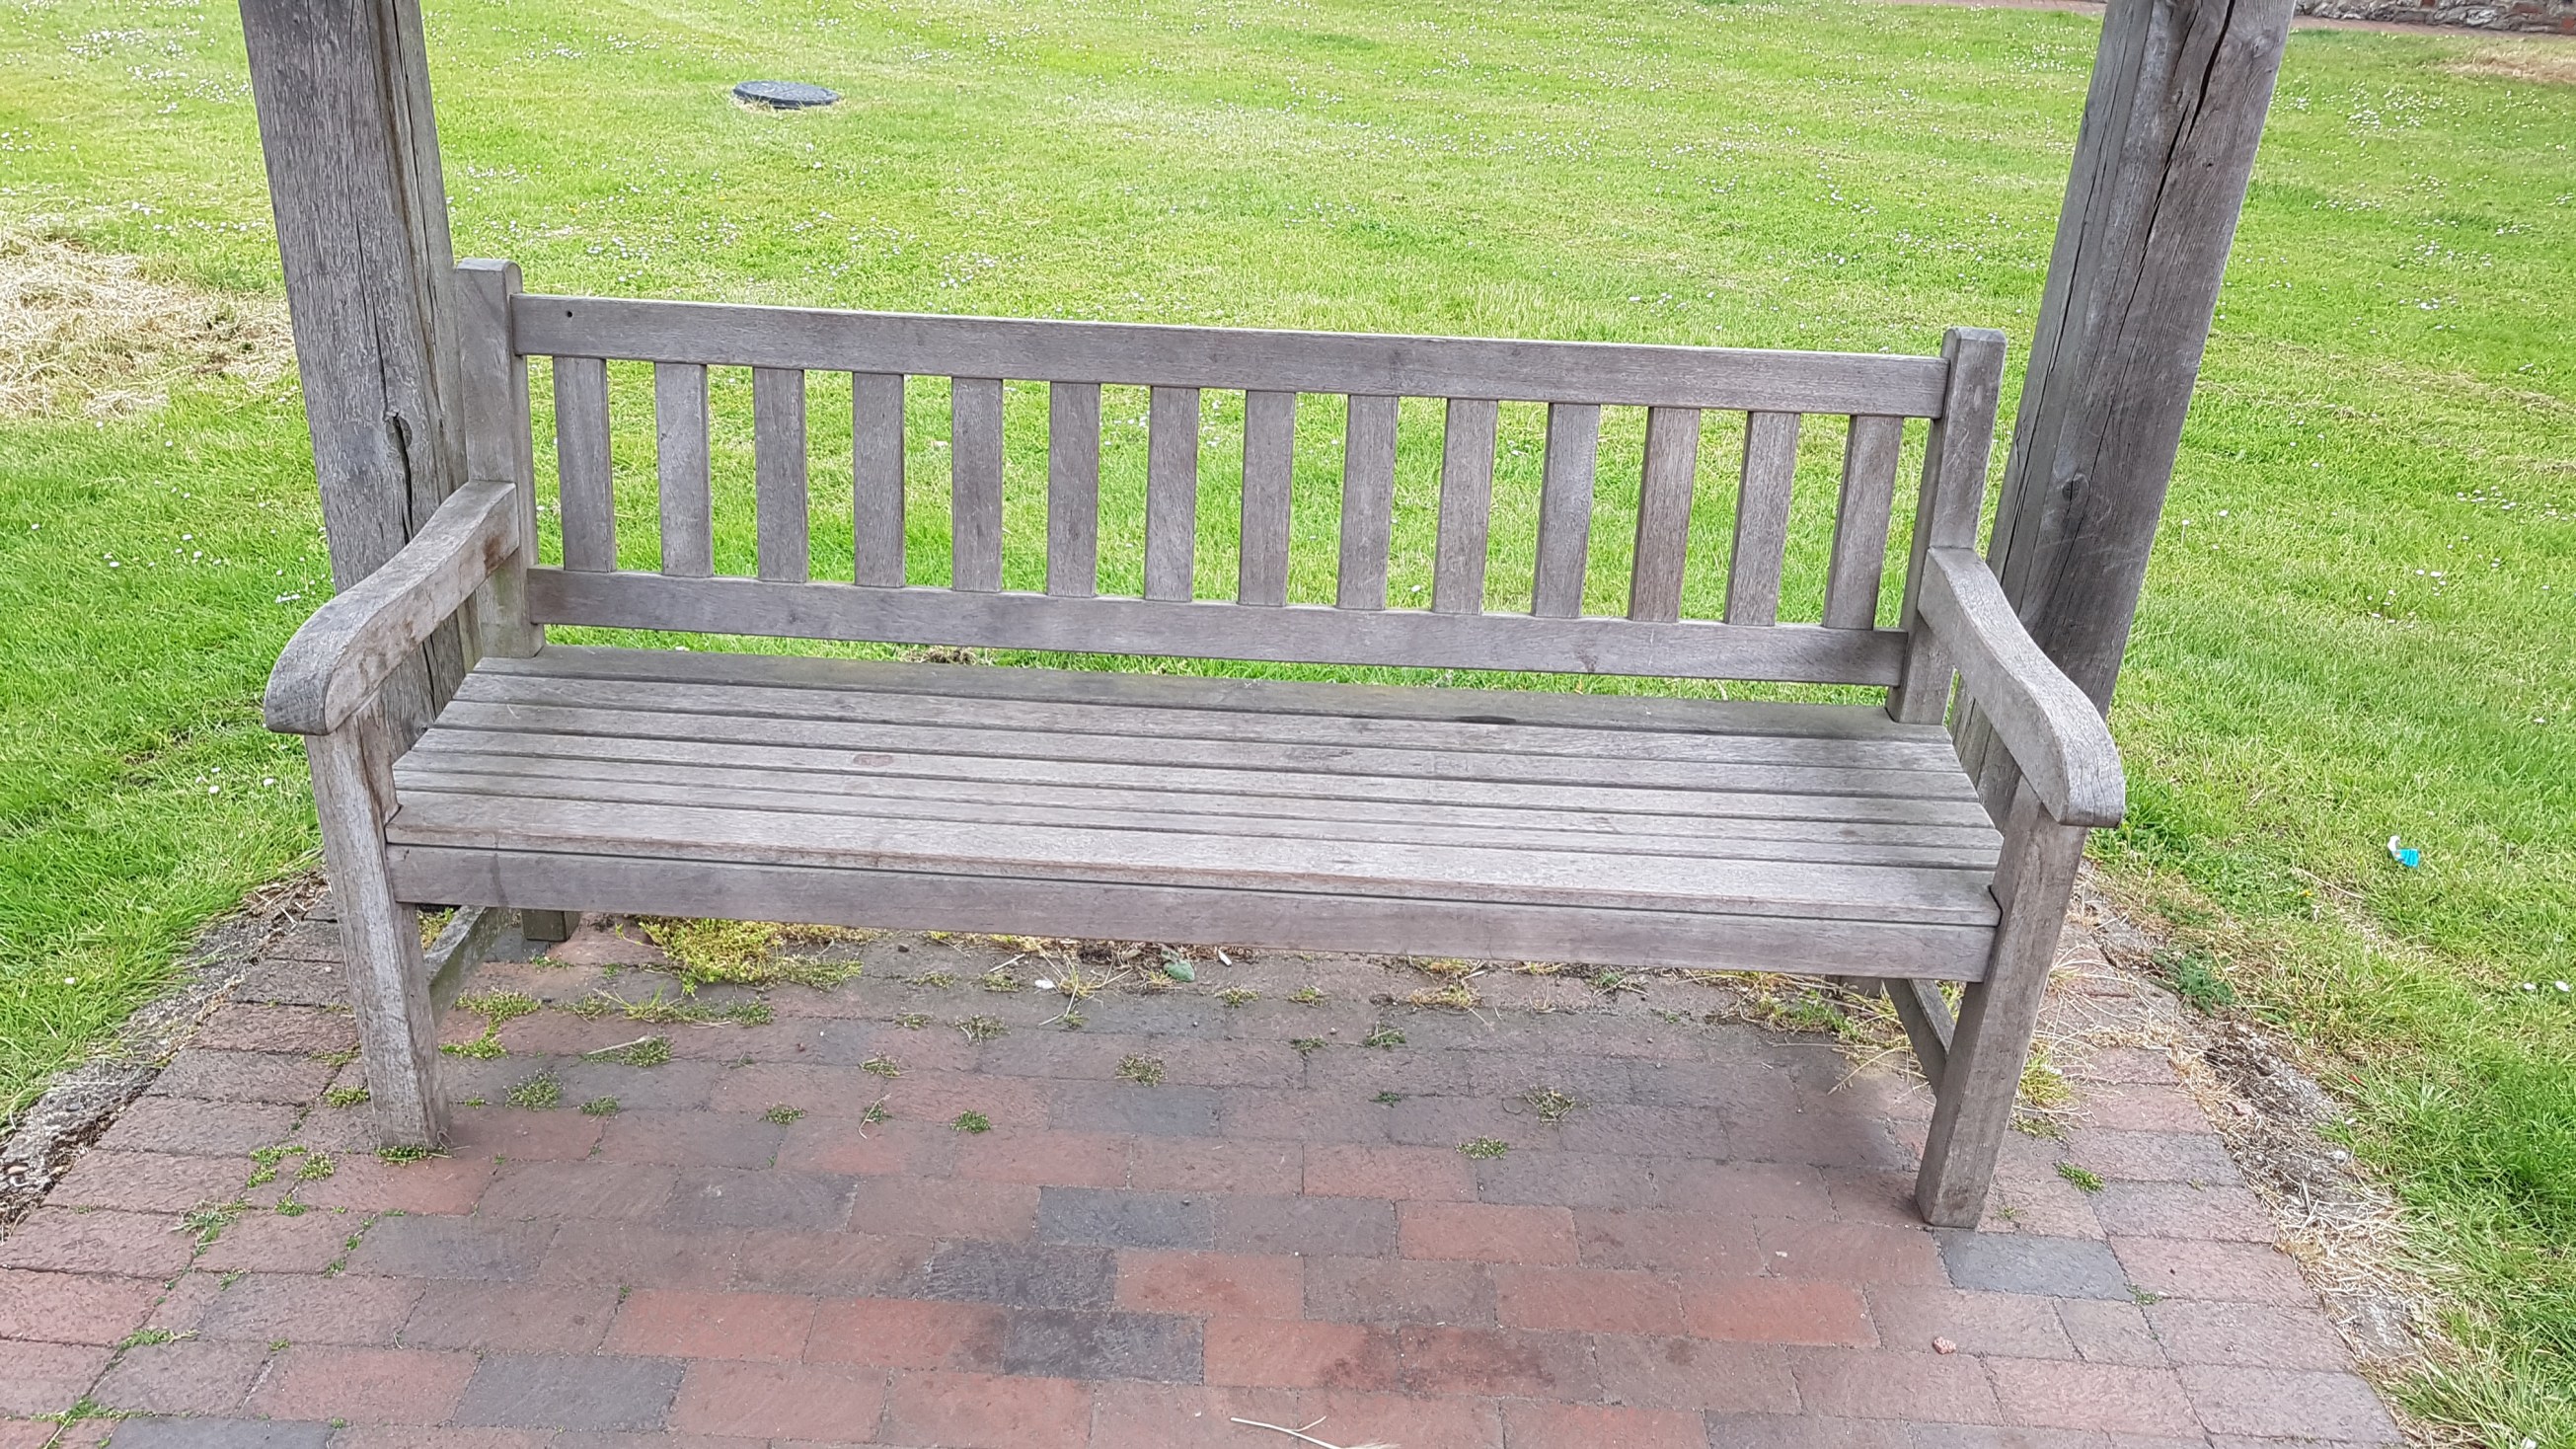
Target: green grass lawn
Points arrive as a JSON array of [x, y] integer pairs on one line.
[[2361, 620]]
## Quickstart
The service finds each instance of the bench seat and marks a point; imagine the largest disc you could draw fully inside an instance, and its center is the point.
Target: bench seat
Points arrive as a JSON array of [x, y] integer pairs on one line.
[[1582, 828]]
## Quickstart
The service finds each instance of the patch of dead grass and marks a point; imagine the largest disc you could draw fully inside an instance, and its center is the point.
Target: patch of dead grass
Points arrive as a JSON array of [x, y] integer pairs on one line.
[[2549, 63], [92, 334]]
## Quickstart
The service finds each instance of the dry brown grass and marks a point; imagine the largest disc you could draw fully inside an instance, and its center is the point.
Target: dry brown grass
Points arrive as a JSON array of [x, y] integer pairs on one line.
[[2547, 62], [91, 334]]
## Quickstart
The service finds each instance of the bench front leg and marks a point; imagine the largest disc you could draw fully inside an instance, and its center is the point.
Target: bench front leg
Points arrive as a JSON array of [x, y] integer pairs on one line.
[[379, 934], [1979, 1078]]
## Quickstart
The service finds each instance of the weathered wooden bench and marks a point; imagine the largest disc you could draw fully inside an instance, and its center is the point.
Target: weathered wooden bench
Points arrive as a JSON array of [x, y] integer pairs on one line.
[[1839, 839]]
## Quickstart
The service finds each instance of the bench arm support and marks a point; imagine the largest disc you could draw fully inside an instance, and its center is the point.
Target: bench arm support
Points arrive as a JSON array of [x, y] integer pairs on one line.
[[334, 663], [2049, 726]]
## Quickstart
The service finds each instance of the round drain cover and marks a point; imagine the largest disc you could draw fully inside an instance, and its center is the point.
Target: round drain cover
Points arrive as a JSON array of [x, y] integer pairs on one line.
[[784, 95]]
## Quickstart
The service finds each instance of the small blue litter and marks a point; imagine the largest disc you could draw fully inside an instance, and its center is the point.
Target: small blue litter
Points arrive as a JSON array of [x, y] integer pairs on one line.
[[2405, 855]]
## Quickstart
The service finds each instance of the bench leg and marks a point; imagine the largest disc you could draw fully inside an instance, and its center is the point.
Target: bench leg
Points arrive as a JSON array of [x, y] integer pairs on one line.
[[546, 927], [379, 935], [1973, 1103]]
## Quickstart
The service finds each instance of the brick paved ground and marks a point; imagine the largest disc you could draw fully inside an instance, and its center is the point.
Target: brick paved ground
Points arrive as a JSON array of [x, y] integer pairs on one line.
[[1715, 1248]]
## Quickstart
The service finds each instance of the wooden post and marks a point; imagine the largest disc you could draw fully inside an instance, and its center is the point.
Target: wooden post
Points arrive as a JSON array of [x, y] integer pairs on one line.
[[342, 91], [2170, 128]]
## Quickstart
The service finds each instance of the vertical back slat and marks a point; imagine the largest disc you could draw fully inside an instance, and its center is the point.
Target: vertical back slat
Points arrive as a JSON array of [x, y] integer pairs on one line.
[[1762, 518], [498, 445], [1073, 489], [1466, 506], [1368, 502], [1955, 455], [583, 492], [778, 471], [1171, 492], [680, 446], [876, 478], [975, 484], [1861, 519], [1663, 515], [1565, 509], [1269, 462]]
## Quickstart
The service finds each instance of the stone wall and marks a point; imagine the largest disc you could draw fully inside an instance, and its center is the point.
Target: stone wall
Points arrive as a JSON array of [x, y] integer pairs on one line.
[[2557, 16]]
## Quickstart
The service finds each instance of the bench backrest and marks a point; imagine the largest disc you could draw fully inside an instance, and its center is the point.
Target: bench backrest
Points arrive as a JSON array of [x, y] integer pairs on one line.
[[1575, 380]]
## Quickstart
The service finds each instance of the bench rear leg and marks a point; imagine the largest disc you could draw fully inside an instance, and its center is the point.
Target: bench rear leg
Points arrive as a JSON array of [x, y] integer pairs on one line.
[[1973, 1100], [379, 935]]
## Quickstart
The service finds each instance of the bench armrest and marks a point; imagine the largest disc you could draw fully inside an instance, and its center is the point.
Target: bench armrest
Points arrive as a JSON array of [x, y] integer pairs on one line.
[[2051, 728], [350, 644]]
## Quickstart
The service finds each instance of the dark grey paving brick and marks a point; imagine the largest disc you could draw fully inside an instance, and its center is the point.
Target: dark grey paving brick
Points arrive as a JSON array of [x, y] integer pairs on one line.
[[552, 1391], [1124, 1219], [728, 1197], [218, 1434], [2028, 1263], [1023, 1275], [1802, 1431], [1168, 1111], [449, 1247], [1070, 1344], [1345, 1226]]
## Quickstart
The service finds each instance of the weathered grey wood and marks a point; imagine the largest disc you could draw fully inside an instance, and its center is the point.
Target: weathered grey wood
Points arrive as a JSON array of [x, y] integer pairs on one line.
[[1981, 1078], [1212, 630], [546, 927], [1862, 516], [975, 483], [1596, 715], [1368, 502], [1171, 492], [1660, 563], [1284, 920], [585, 491], [343, 655], [387, 980], [1762, 519], [1269, 463], [1565, 509], [1416, 871], [1962, 441], [2171, 123], [778, 472], [2057, 740], [1466, 506], [499, 444], [1073, 489], [1322, 362], [342, 95], [876, 477], [1925, 1015], [461, 946], [681, 463]]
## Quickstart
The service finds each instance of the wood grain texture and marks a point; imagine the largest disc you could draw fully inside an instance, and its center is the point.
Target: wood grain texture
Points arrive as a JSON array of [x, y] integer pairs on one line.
[[1319, 362], [1282, 920], [1925, 1015], [1761, 543], [1981, 1077], [778, 473], [1171, 492], [1660, 564], [682, 465], [459, 947], [1466, 506], [1214, 630], [1368, 502], [585, 489], [2057, 740], [1863, 514], [364, 635], [1565, 509], [876, 477], [351, 146], [1269, 466], [499, 444], [1955, 456], [975, 484], [1073, 489]]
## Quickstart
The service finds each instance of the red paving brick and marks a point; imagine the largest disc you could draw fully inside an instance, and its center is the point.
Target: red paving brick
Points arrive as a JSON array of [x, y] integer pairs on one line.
[[1719, 1248]]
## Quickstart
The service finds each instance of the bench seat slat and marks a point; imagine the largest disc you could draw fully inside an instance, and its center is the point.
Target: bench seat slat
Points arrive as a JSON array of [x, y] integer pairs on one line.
[[899, 900]]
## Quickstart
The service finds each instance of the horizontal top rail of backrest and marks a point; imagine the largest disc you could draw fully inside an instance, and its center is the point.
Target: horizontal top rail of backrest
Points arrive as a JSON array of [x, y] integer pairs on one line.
[[1617, 373]]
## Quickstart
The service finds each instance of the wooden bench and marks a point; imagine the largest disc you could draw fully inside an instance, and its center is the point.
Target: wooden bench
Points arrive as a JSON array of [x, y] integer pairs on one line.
[[1839, 839]]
